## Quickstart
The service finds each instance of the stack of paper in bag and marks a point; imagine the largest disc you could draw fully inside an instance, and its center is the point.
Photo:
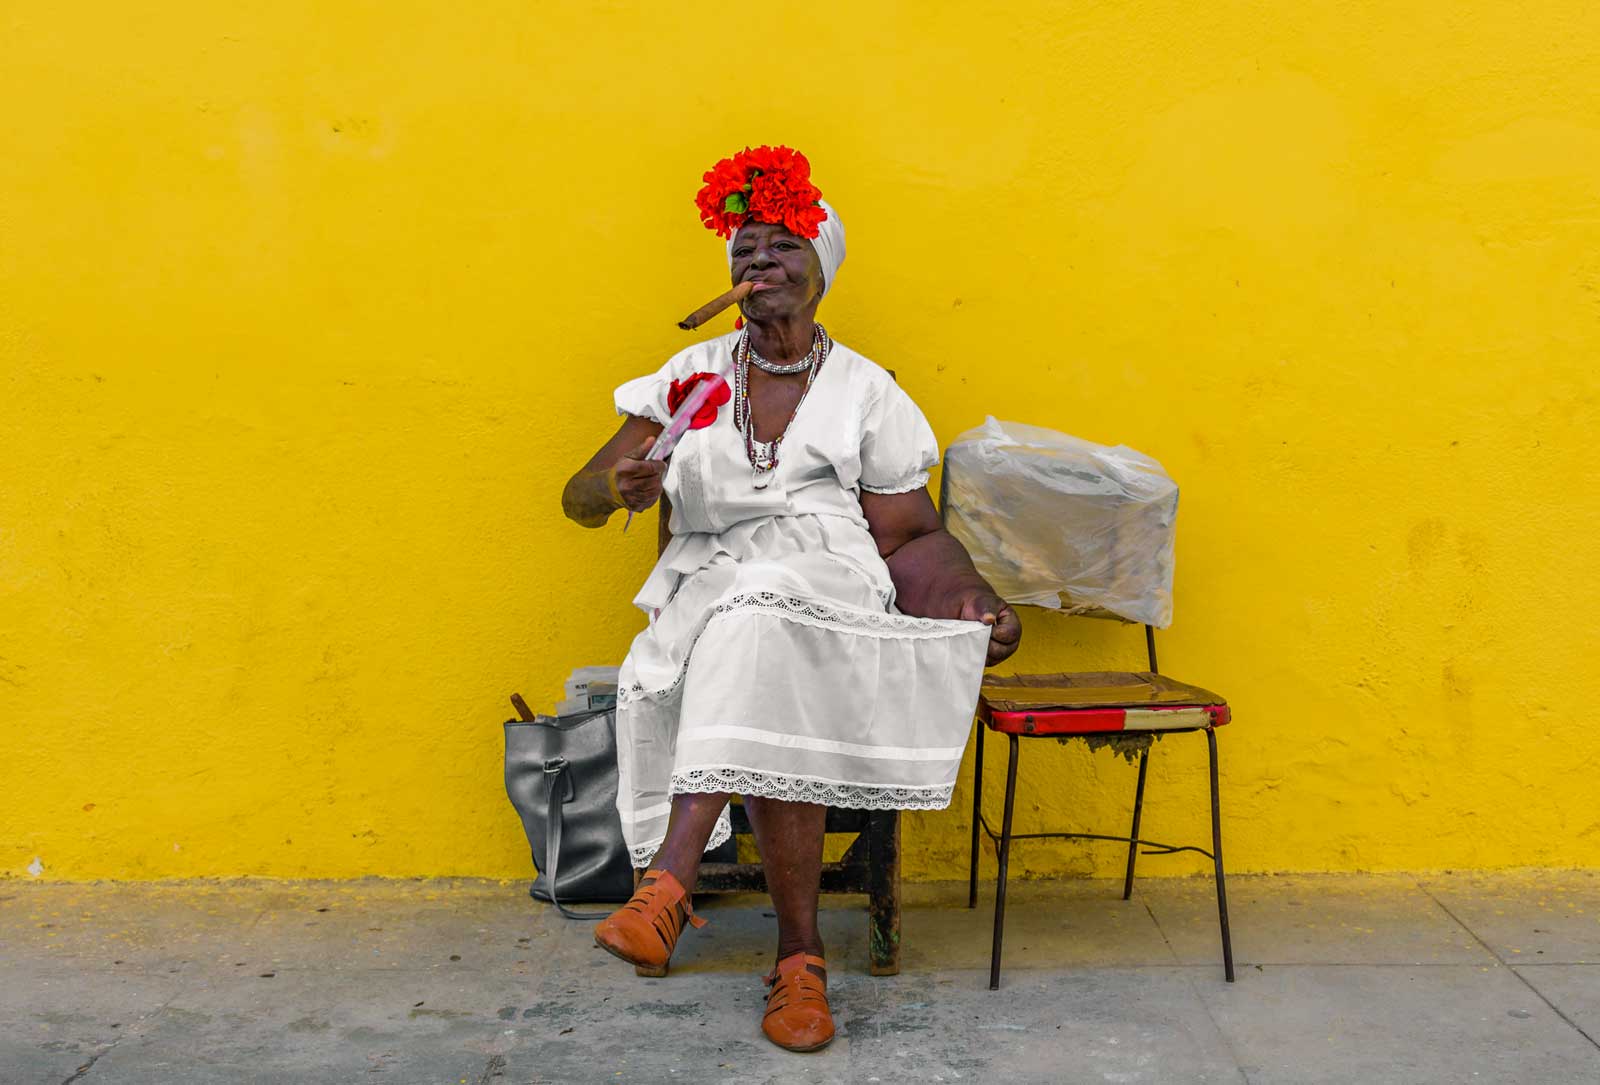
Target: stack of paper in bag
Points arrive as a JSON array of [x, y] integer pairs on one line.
[[587, 689]]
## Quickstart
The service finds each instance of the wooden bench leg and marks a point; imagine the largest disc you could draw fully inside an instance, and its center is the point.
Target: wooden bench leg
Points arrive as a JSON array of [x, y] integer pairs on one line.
[[883, 881]]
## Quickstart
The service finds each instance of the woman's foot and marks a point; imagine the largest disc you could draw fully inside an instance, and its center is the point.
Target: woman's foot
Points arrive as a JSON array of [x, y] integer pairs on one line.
[[797, 1017], [644, 930]]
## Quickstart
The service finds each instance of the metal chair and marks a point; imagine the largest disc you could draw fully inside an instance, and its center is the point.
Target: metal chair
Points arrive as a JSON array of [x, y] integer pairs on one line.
[[1088, 704]]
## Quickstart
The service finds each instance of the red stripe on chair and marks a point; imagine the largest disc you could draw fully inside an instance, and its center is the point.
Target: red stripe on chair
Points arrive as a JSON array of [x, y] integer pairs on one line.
[[1090, 721], [1082, 722]]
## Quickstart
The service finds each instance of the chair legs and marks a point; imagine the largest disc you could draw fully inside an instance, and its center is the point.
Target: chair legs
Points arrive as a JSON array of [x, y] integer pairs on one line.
[[977, 813], [1216, 852], [1005, 862], [1133, 834]]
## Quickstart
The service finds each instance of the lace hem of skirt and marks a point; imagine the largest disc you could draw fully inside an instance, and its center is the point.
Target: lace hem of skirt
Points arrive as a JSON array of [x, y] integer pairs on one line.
[[808, 612], [773, 785], [641, 856]]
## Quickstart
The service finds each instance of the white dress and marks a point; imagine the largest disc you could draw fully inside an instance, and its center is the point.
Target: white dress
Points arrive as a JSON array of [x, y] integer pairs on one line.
[[775, 663]]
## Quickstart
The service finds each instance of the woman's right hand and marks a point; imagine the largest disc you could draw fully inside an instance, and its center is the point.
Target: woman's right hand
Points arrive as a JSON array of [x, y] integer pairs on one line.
[[616, 477], [636, 481]]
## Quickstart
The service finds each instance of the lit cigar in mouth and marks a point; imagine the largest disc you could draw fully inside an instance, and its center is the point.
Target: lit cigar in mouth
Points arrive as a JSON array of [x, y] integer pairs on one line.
[[716, 305]]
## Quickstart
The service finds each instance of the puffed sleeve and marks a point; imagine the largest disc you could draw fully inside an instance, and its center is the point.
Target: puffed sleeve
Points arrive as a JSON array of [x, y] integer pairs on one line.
[[646, 396], [897, 444]]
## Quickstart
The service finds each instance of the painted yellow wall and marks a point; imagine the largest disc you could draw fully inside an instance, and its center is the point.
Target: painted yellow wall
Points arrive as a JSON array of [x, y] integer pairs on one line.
[[307, 311]]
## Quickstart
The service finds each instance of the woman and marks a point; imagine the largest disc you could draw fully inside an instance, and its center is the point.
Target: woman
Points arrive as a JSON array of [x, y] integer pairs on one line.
[[816, 637]]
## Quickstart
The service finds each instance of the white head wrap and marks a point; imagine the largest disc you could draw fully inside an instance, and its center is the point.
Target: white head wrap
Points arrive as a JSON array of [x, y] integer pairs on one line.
[[829, 244]]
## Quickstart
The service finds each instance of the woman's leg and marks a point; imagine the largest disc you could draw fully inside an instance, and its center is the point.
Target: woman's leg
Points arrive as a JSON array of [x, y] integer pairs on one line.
[[789, 835], [688, 831]]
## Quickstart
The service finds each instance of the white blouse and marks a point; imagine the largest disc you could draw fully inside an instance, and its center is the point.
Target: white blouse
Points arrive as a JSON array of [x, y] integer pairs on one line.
[[856, 430]]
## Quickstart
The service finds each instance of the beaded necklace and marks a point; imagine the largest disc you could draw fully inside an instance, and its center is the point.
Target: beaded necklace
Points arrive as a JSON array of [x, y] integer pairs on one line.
[[763, 455]]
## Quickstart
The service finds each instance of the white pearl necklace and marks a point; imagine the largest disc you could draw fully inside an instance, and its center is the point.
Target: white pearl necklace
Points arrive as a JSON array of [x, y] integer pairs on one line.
[[780, 368]]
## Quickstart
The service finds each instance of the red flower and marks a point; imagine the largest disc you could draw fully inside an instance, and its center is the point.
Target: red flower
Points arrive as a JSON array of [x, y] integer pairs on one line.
[[768, 184], [707, 414], [777, 199], [784, 160], [723, 180]]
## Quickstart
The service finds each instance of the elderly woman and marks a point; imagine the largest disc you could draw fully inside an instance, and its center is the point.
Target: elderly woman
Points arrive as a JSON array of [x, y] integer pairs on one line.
[[816, 638]]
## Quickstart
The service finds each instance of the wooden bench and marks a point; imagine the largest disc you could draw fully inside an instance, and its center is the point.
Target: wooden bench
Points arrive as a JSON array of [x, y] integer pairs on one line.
[[870, 865]]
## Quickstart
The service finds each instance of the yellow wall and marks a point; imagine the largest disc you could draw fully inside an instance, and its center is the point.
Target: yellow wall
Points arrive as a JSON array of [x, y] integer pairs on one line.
[[307, 311]]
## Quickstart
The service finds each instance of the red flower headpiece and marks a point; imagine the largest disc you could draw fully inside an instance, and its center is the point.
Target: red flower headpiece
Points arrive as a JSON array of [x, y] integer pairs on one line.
[[768, 184]]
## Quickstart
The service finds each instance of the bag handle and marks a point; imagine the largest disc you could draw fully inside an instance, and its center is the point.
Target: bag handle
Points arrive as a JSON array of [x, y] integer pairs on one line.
[[559, 782]]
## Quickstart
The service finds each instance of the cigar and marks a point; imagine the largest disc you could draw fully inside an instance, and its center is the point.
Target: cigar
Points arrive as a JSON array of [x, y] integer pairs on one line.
[[716, 305]]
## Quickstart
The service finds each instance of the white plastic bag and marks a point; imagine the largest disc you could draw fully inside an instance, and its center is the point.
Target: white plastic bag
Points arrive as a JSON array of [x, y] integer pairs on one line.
[[1055, 521]]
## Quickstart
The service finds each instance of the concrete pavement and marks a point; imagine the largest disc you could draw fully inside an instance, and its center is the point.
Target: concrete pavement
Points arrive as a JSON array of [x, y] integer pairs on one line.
[[1370, 978]]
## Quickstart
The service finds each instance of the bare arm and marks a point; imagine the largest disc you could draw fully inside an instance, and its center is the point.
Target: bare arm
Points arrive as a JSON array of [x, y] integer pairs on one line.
[[932, 572], [618, 476]]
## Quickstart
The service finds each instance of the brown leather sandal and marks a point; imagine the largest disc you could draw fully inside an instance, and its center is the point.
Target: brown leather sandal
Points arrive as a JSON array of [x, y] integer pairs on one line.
[[798, 1018], [644, 930]]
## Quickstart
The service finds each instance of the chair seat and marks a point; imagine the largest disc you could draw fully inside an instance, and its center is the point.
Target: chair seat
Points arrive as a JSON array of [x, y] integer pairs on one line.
[[1096, 702]]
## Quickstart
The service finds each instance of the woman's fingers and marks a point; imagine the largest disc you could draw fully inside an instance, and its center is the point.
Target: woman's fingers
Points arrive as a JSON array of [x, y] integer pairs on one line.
[[641, 471], [977, 608], [1005, 636], [1005, 629], [639, 481], [1008, 627]]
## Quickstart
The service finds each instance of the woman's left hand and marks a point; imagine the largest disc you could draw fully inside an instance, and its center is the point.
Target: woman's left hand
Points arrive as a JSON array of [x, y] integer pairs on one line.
[[1005, 632]]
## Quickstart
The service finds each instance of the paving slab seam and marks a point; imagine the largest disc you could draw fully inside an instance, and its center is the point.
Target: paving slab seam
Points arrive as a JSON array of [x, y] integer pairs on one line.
[[136, 1028], [1506, 965], [1409, 966], [1227, 1041], [86, 1067], [1157, 924], [256, 922], [496, 1065]]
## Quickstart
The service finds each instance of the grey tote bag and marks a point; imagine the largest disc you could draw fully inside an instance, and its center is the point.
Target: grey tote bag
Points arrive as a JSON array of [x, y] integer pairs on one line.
[[561, 775]]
